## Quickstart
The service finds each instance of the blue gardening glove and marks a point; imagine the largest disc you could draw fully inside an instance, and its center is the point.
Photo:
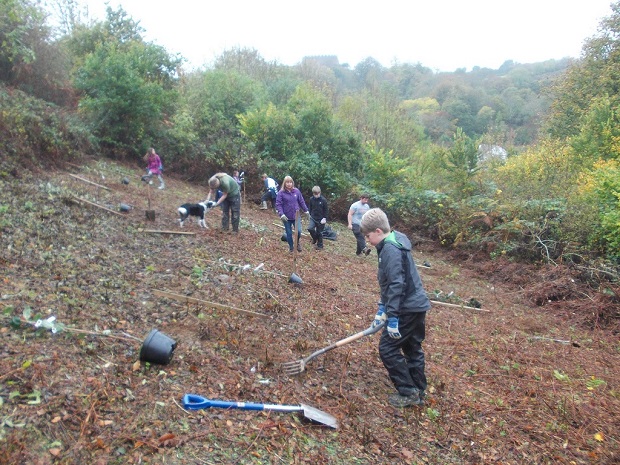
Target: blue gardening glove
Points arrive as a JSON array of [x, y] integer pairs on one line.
[[392, 327], [284, 218], [380, 317]]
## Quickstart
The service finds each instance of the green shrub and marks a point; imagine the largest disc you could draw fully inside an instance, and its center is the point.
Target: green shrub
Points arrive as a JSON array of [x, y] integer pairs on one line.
[[600, 188], [32, 130]]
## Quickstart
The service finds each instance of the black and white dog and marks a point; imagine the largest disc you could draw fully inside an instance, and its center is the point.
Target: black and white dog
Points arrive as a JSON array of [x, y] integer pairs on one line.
[[195, 209]]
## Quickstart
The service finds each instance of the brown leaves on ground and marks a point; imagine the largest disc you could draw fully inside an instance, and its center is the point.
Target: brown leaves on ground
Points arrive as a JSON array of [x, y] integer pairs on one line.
[[502, 389]]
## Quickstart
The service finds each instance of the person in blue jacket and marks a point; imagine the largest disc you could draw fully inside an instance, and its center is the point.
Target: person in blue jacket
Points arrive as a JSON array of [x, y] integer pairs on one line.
[[403, 304], [288, 202]]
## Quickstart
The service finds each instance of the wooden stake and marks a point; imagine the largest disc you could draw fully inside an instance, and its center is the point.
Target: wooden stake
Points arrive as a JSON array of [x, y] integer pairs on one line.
[[183, 298], [280, 226], [79, 199], [154, 231], [89, 182], [148, 194], [559, 341], [296, 241], [464, 307], [275, 273], [149, 214]]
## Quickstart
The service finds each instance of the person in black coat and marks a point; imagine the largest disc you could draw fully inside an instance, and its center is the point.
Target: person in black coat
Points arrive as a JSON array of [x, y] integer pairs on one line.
[[403, 304], [318, 217]]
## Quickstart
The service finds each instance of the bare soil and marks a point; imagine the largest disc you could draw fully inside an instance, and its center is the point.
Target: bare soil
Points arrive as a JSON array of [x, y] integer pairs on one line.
[[530, 378]]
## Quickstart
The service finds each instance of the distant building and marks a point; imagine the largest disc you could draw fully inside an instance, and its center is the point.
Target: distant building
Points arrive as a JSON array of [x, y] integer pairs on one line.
[[488, 152], [330, 61]]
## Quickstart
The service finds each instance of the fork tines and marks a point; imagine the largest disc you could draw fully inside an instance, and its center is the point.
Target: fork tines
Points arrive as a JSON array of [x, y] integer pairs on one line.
[[293, 368]]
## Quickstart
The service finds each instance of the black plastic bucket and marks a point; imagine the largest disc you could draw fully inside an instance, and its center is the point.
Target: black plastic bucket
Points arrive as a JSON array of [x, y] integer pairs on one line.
[[157, 348]]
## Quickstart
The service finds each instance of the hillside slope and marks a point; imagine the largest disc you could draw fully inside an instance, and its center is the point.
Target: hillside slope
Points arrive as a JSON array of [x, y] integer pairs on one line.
[[512, 384]]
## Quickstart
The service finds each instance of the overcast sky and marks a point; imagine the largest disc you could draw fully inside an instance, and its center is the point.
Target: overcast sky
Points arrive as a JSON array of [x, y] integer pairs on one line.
[[441, 35]]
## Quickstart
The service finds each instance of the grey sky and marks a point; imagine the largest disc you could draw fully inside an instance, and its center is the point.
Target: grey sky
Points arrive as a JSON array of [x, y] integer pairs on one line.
[[442, 35]]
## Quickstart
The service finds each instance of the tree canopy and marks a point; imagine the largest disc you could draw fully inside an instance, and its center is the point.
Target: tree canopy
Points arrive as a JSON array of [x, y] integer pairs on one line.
[[408, 135]]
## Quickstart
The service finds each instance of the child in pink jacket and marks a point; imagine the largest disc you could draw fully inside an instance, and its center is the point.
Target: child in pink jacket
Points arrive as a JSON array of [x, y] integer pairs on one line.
[[154, 166]]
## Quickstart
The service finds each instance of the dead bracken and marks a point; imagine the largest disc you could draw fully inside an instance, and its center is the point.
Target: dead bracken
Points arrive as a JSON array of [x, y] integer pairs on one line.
[[502, 389]]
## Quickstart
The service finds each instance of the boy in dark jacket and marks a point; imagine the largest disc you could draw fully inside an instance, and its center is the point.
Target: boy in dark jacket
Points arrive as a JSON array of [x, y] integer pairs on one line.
[[318, 216], [404, 304]]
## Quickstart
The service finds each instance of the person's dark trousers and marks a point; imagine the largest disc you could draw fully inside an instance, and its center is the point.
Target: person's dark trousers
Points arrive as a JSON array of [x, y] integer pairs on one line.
[[288, 229], [271, 197], [312, 231], [404, 358], [359, 237], [315, 228], [231, 210]]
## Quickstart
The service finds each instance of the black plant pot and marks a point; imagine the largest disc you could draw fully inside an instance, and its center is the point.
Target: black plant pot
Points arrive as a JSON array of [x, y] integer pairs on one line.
[[157, 348]]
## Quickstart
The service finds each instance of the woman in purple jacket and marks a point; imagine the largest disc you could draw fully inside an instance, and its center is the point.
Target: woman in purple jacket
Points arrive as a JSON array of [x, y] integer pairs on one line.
[[288, 202]]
